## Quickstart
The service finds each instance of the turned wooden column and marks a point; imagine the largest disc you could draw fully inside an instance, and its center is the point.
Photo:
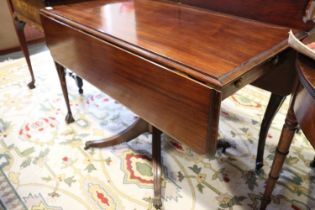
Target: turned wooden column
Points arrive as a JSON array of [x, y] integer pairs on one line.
[[282, 150]]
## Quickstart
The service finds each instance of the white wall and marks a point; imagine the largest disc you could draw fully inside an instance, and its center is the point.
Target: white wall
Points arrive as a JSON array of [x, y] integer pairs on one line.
[[8, 38]]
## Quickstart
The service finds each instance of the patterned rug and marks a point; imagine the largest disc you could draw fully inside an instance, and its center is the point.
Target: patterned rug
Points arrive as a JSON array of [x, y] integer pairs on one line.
[[44, 159], [9, 199]]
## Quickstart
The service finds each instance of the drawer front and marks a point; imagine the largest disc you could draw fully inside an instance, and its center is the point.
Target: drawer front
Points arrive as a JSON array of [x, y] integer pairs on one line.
[[175, 104]]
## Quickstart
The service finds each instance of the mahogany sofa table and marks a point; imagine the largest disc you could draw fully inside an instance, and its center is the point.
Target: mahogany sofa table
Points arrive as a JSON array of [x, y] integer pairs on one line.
[[171, 64]]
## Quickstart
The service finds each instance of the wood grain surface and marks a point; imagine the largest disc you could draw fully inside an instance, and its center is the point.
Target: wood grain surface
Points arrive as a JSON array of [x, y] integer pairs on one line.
[[175, 104], [212, 47]]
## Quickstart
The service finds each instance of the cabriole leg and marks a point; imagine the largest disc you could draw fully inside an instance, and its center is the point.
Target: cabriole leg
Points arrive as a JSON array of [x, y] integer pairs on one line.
[[134, 130], [62, 79], [20, 25], [274, 104]]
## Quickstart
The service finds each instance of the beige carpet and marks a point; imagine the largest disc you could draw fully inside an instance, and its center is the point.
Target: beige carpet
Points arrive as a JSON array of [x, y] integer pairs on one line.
[[45, 162]]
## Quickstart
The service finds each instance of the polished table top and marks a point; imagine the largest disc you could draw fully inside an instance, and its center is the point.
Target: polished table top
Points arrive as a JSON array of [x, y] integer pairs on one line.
[[211, 47]]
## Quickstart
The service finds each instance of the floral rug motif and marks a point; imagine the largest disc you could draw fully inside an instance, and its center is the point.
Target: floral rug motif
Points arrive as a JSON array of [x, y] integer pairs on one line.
[[49, 169]]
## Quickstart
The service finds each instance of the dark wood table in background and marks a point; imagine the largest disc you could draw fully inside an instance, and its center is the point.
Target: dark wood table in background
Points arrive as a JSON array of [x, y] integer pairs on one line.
[[301, 114], [27, 12], [169, 63]]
